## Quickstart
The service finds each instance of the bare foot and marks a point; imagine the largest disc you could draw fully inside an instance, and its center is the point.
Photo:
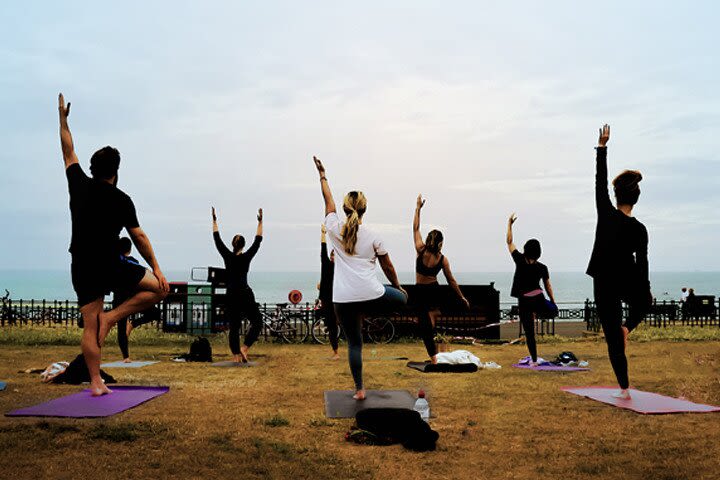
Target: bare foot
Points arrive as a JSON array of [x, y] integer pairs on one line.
[[99, 390], [433, 359], [243, 353], [127, 360], [359, 395], [336, 355], [534, 364], [237, 358], [625, 333], [623, 394]]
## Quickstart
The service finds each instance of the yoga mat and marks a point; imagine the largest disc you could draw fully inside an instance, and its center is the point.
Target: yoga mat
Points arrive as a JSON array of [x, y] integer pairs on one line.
[[2, 386], [427, 367], [83, 405], [121, 364], [340, 404], [231, 364], [551, 368], [641, 402]]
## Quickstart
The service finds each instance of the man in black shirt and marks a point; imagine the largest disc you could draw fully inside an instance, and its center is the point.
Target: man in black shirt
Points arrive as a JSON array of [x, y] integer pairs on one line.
[[99, 211]]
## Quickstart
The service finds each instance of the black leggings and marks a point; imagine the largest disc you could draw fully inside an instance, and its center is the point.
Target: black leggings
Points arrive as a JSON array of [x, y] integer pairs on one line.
[[351, 317], [528, 307], [241, 304], [427, 331], [608, 302], [327, 311], [145, 317]]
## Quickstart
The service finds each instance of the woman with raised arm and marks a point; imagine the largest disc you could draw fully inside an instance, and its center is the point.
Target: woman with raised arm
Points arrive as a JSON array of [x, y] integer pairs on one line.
[[327, 310], [619, 261], [240, 297], [356, 288], [526, 287], [430, 261]]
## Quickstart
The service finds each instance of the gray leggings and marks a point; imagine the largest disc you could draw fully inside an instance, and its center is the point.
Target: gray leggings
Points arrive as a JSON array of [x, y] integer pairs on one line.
[[351, 316]]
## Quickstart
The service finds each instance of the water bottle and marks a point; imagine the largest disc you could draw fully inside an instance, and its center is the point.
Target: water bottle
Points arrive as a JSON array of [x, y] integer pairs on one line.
[[422, 406]]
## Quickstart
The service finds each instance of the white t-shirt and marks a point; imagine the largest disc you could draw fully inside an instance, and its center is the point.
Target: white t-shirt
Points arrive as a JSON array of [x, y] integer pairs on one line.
[[355, 275]]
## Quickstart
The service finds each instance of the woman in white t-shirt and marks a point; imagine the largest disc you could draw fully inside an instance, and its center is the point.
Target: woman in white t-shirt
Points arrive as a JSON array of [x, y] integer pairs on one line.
[[356, 288]]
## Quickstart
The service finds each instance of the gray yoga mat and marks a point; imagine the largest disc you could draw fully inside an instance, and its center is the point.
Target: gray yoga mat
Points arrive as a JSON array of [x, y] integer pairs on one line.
[[340, 404], [231, 364], [121, 364]]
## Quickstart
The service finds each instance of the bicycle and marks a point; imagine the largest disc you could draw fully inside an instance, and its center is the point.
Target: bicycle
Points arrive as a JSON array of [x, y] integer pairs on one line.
[[285, 325], [375, 329]]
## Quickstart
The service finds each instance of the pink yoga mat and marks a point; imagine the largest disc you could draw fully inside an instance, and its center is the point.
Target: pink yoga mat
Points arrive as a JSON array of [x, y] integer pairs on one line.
[[551, 368], [641, 402], [84, 405]]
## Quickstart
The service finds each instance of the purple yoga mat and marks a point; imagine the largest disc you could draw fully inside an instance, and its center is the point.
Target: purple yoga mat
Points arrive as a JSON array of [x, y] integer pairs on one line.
[[641, 402], [84, 405], [552, 368]]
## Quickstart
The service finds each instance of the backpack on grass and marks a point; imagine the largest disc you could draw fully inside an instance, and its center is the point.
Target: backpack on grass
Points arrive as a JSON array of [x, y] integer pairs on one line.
[[200, 351], [385, 426]]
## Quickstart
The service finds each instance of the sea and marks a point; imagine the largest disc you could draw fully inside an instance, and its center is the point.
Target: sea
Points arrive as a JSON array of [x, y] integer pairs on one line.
[[571, 288]]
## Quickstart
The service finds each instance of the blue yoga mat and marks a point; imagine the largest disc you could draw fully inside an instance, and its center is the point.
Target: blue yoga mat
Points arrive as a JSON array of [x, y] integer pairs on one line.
[[2, 386]]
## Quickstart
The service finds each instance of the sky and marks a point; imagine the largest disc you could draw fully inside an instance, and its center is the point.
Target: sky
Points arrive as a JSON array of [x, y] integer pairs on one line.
[[486, 108]]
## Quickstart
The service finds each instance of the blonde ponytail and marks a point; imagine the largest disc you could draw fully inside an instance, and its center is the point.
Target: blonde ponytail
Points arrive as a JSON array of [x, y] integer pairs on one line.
[[354, 206]]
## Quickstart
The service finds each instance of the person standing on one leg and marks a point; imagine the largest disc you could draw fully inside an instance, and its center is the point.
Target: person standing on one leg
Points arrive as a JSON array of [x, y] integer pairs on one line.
[[619, 261], [327, 309], [526, 287], [126, 325], [428, 264], [240, 297], [99, 211], [356, 288]]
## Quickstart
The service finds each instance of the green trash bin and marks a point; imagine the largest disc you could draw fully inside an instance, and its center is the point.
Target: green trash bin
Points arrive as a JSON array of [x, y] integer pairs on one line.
[[199, 309]]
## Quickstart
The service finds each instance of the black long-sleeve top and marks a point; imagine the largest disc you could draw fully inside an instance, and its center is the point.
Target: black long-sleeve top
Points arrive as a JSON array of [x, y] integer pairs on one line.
[[237, 266], [327, 273], [620, 253]]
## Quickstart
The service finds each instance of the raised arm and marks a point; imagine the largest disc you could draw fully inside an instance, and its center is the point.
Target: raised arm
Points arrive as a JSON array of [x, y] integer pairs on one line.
[[66, 141], [325, 187], [219, 245], [419, 245], [389, 270], [602, 197], [509, 236], [452, 282], [259, 231], [143, 245]]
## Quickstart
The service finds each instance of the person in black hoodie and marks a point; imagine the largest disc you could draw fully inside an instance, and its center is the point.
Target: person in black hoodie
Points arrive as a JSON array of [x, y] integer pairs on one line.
[[619, 261], [240, 297]]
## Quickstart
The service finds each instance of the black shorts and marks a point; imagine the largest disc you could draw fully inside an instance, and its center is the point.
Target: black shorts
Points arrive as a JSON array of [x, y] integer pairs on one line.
[[92, 281]]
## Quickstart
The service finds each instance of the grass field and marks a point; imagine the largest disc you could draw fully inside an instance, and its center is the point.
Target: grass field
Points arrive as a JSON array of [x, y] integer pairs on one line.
[[268, 422]]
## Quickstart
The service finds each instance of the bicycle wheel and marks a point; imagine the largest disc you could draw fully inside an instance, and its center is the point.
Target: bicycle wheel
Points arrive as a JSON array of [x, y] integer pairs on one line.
[[292, 328], [319, 331], [380, 330]]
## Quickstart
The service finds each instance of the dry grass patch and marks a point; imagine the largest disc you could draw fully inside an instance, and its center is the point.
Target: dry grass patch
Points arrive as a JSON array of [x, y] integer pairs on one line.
[[267, 421]]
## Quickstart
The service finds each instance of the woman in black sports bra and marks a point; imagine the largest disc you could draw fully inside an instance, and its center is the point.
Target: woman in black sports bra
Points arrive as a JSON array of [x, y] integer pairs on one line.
[[428, 265]]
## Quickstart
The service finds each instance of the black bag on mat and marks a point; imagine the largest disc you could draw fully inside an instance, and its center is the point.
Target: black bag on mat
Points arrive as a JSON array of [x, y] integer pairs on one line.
[[398, 425], [77, 373]]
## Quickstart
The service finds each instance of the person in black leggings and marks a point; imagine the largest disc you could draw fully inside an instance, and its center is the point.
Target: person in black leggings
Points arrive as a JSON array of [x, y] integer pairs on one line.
[[327, 309], [526, 287], [430, 261], [356, 289], [240, 297], [619, 261], [126, 325]]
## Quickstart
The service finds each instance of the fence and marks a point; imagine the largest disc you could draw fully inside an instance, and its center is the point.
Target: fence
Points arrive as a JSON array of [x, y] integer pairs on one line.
[[705, 311], [699, 312]]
